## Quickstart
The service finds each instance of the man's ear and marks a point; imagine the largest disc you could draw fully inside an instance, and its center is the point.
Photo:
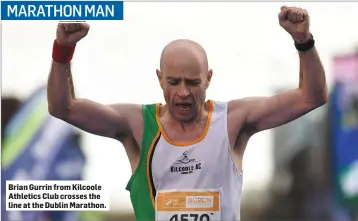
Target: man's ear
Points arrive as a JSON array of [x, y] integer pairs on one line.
[[208, 78], [159, 76]]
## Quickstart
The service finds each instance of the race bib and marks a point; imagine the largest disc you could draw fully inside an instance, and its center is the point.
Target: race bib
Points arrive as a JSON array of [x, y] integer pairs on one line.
[[179, 205]]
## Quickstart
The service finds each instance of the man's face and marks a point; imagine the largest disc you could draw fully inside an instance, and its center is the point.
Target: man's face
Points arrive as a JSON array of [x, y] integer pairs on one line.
[[184, 88]]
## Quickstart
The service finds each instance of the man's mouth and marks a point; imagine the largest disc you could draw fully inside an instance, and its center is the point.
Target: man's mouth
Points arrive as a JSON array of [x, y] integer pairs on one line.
[[184, 107]]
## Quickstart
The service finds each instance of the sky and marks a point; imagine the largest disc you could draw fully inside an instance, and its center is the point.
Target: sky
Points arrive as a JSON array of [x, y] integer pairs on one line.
[[250, 54]]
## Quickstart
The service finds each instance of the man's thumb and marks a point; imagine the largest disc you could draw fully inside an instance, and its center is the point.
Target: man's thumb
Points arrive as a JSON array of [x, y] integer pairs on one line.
[[282, 14], [84, 29], [85, 26], [283, 7]]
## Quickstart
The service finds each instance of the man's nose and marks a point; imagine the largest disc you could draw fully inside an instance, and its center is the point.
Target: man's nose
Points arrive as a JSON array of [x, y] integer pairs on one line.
[[183, 91]]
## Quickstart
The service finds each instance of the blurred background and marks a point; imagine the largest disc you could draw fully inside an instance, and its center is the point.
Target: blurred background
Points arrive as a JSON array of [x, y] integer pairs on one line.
[[304, 170]]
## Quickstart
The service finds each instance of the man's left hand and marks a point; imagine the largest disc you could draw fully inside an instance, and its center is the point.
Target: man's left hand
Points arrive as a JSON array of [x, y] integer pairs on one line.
[[296, 22]]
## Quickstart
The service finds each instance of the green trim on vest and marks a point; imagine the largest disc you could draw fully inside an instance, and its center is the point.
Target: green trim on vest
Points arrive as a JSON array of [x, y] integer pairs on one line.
[[140, 185]]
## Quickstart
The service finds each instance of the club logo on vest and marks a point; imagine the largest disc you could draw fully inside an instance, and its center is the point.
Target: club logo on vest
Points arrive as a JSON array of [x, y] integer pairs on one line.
[[185, 165]]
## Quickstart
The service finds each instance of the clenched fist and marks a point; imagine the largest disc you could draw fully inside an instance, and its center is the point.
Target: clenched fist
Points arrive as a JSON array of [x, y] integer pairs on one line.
[[71, 33], [296, 22]]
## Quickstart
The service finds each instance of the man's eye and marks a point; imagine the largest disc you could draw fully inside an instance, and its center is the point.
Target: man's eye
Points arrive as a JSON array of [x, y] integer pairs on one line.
[[171, 82], [194, 83]]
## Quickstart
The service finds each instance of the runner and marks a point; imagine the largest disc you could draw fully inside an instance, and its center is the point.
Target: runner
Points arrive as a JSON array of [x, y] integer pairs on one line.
[[186, 155]]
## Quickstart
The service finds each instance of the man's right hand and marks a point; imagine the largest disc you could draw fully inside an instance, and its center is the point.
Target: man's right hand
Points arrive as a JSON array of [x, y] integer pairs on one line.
[[71, 33]]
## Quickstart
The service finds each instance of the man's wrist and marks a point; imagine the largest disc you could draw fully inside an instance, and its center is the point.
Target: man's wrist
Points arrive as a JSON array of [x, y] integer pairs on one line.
[[305, 44], [62, 53], [303, 39]]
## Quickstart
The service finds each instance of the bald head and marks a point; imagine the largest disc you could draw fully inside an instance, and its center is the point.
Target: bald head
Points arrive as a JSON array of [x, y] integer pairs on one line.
[[184, 78], [184, 53]]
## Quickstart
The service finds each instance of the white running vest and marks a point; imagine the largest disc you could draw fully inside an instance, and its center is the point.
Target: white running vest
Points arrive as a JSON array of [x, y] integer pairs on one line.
[[198, 181]]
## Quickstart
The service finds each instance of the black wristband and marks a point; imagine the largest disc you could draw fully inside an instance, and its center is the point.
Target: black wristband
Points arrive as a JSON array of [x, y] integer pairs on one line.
[[305, 46]]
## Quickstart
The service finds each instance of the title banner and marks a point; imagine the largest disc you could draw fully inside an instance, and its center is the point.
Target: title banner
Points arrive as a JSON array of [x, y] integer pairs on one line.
[[62, 10]]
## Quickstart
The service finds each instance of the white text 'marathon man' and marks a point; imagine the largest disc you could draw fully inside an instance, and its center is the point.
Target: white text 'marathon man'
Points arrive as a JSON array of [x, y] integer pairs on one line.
[[68, 11]]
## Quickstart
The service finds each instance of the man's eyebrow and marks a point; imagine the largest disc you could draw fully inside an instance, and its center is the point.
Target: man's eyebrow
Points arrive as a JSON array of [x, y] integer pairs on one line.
[[172, 78], [186, 79], [192, 79]]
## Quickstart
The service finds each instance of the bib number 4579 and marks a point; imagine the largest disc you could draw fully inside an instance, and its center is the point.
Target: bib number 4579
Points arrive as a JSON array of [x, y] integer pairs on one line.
[[191, 217]]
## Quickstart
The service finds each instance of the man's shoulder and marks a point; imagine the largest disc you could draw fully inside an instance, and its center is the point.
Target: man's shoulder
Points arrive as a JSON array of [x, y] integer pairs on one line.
[[149, 105], [218, 103]]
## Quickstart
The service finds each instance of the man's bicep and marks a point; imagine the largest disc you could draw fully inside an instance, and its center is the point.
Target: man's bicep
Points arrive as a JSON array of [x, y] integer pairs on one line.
[[104, 120], [264, 113]]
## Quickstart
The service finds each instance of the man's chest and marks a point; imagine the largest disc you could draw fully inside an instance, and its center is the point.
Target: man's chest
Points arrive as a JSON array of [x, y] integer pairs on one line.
[[186, 166]]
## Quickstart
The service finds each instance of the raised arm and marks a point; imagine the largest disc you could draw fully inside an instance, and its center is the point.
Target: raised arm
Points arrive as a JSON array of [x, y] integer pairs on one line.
[[261, 113], [105, 120]]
